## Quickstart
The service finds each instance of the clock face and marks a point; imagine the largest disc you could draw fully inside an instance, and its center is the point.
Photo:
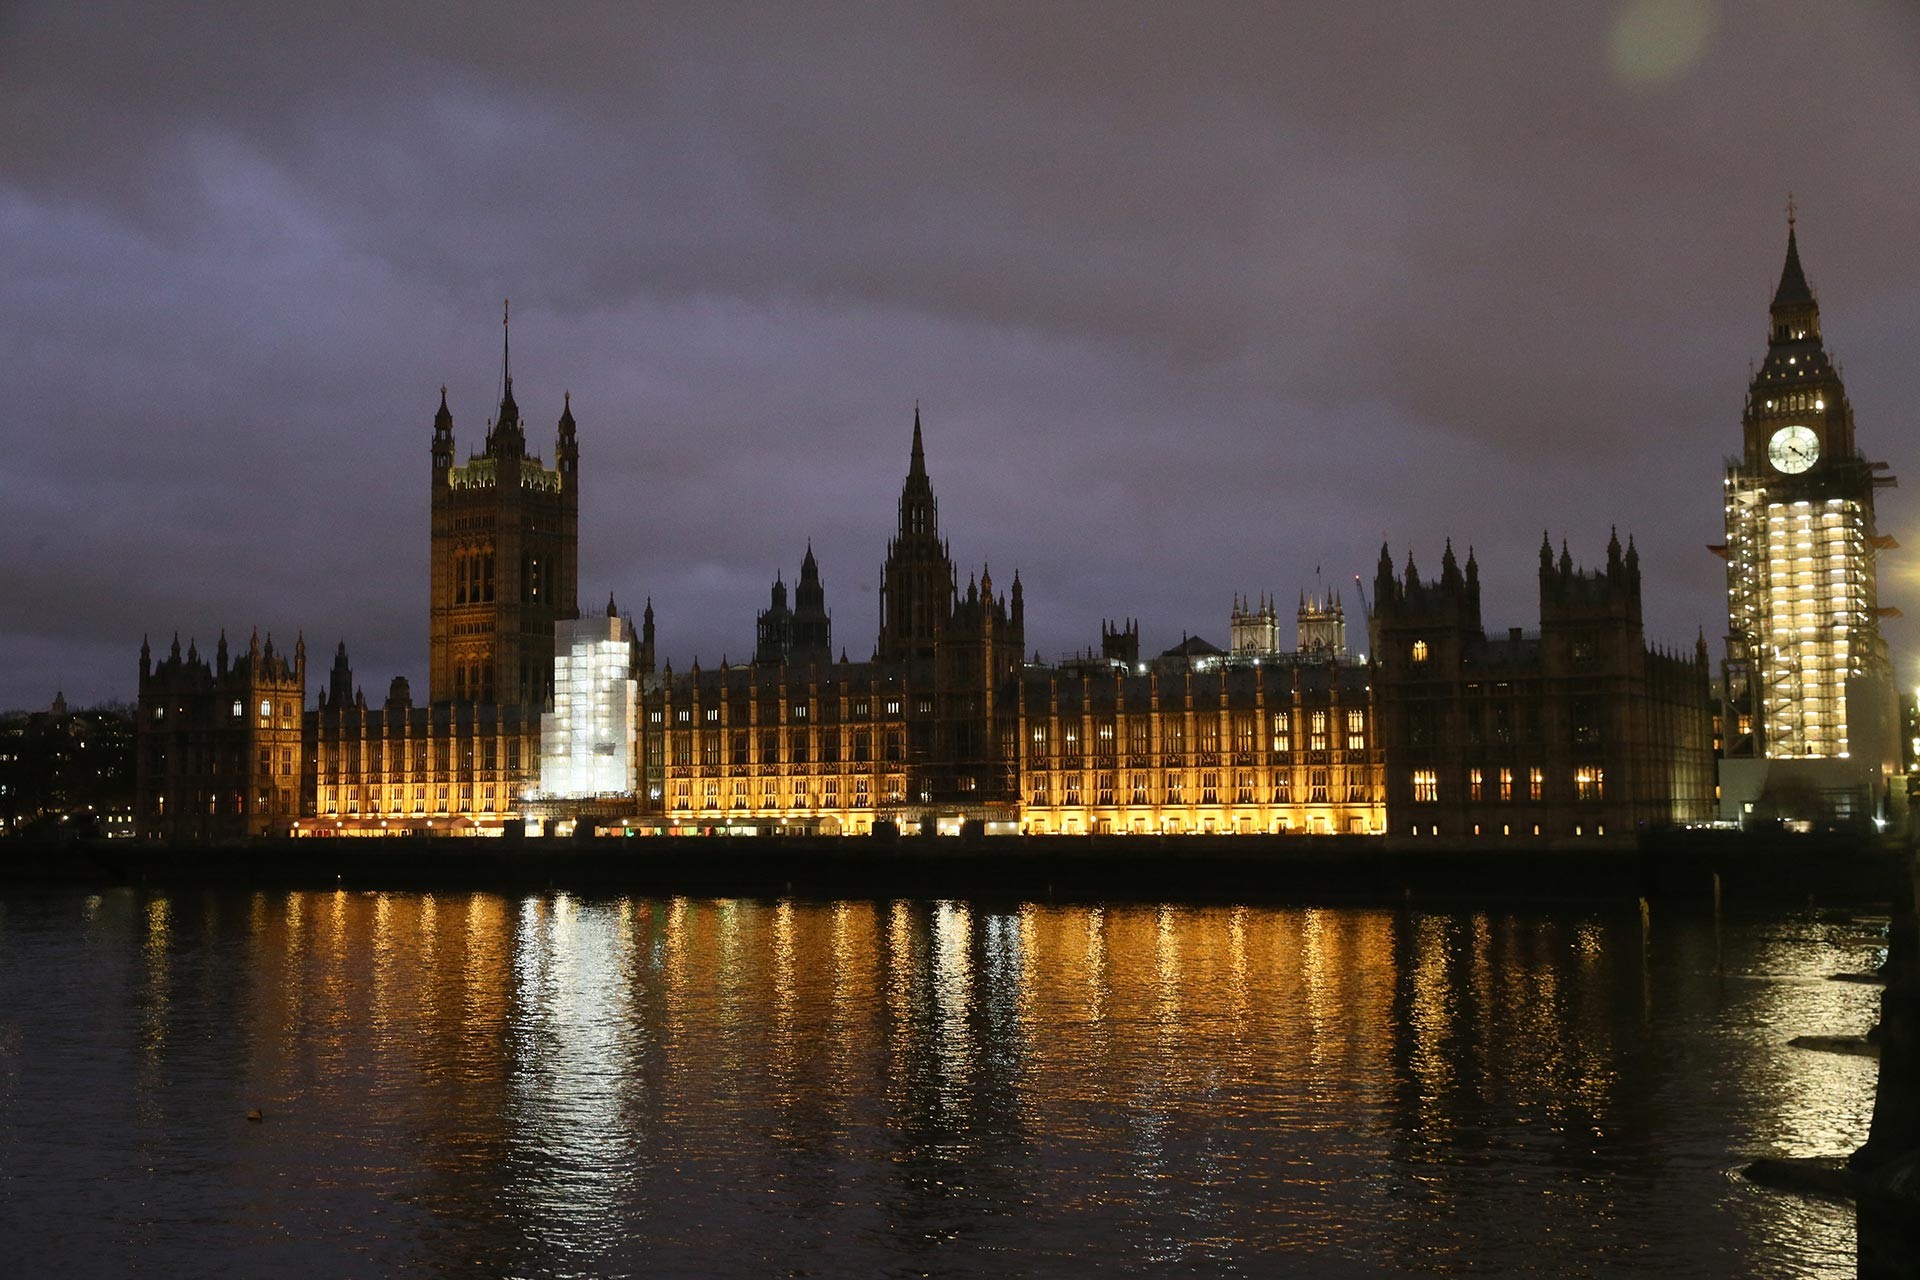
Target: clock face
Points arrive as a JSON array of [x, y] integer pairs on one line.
[[1793, 449]]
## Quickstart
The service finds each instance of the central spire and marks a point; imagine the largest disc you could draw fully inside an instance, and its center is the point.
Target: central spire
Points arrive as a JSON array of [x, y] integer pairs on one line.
[[1794, 293], [917, 465]]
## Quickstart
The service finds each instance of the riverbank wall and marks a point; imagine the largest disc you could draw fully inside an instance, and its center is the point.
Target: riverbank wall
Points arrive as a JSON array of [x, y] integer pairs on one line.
[[1695, 869], [1886, 1170]]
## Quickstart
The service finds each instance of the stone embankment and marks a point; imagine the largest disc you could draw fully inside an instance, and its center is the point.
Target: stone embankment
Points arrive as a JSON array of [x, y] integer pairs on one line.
[[1687, 870]]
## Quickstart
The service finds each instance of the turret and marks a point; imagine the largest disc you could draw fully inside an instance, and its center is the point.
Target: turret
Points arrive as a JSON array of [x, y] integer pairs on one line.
[[442, 440], [566, 449]]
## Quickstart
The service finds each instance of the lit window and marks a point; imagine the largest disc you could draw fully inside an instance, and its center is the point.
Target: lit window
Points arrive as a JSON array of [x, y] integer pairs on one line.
[[1419, 650], [1426, 786]]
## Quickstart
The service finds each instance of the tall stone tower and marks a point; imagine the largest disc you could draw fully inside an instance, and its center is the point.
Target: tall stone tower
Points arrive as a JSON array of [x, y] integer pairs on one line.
[[505, 559], [1807, 675], [917, 585]]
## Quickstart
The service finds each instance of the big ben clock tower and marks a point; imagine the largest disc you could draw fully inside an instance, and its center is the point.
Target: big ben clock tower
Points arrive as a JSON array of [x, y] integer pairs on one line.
[[1807, 675]]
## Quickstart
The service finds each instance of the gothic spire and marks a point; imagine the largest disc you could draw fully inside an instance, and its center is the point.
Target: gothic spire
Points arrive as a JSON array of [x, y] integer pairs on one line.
[[506, 351], [1794, 292], [917, 466]]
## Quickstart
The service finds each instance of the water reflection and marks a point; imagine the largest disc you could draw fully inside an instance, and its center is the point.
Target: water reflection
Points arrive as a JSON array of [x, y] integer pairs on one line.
[[558, 1086]]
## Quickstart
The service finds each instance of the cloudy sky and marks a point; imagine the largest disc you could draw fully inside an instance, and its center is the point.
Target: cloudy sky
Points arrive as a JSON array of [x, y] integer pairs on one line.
[[1196, 299]]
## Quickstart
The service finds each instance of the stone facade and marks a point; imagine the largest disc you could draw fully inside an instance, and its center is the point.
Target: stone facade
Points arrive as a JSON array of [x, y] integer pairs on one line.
[[1578, 729], [219, 751]]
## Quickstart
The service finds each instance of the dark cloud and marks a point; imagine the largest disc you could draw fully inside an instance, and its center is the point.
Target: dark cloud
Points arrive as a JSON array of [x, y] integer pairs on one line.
[[1197, 298]]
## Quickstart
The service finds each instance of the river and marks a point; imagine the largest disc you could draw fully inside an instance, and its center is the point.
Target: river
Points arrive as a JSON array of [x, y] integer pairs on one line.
[[560, 1086]]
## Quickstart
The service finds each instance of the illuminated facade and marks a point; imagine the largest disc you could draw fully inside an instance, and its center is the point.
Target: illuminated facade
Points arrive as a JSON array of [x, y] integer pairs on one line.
[[1578, 729], [451, 768], [1807, 676], [949, 724], [1224, 745], [218, 750]]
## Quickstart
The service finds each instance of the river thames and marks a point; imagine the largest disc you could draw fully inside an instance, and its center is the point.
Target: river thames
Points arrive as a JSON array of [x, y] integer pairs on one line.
[[557, 1086]]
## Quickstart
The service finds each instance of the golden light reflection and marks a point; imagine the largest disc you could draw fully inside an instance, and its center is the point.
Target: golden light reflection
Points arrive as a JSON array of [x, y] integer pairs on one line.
[[548, 1064]]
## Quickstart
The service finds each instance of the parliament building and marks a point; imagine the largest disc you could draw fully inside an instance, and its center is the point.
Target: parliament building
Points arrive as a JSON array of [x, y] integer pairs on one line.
[[541, 716]]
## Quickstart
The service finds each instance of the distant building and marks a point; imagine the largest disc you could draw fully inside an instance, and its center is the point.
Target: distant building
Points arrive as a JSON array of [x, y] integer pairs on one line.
[[67, 767], [1809, 717], [218, 748], [1578, 729]]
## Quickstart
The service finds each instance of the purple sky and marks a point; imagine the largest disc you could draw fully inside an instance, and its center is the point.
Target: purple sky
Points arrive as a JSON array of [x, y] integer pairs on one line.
[[1195, 300]]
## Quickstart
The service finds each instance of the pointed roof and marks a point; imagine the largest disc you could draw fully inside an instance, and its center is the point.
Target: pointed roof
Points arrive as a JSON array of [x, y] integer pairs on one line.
[[917, 466], [443, 418], [1794, 292], [566, 412]]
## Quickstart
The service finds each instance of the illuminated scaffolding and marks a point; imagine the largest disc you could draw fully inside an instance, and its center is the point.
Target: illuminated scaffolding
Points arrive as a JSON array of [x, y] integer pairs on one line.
[[586, 740], [1800, 586]]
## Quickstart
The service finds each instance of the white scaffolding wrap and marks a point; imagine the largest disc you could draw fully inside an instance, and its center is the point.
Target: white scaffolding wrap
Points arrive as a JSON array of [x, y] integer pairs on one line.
[[587, 739]]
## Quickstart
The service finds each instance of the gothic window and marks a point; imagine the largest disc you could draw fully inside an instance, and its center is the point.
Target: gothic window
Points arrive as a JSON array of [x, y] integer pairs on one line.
[[1282, 737], [1210, 787], [862, 746], [1506, 785], [1071, 746], [1139, 788], [1476, 785], [1209, 727], [1073, 788], [1590, 782], [1426, 786], [1317, 739], [739, 745], [1356, 731], [1419, 650], [1536, 783], [1103, 738], [1176, 788], [1282, 788], [683, 748], [896, 744], [1317, 786], [1243, 787], [1103, 784], [797, 746], [770, 746]]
